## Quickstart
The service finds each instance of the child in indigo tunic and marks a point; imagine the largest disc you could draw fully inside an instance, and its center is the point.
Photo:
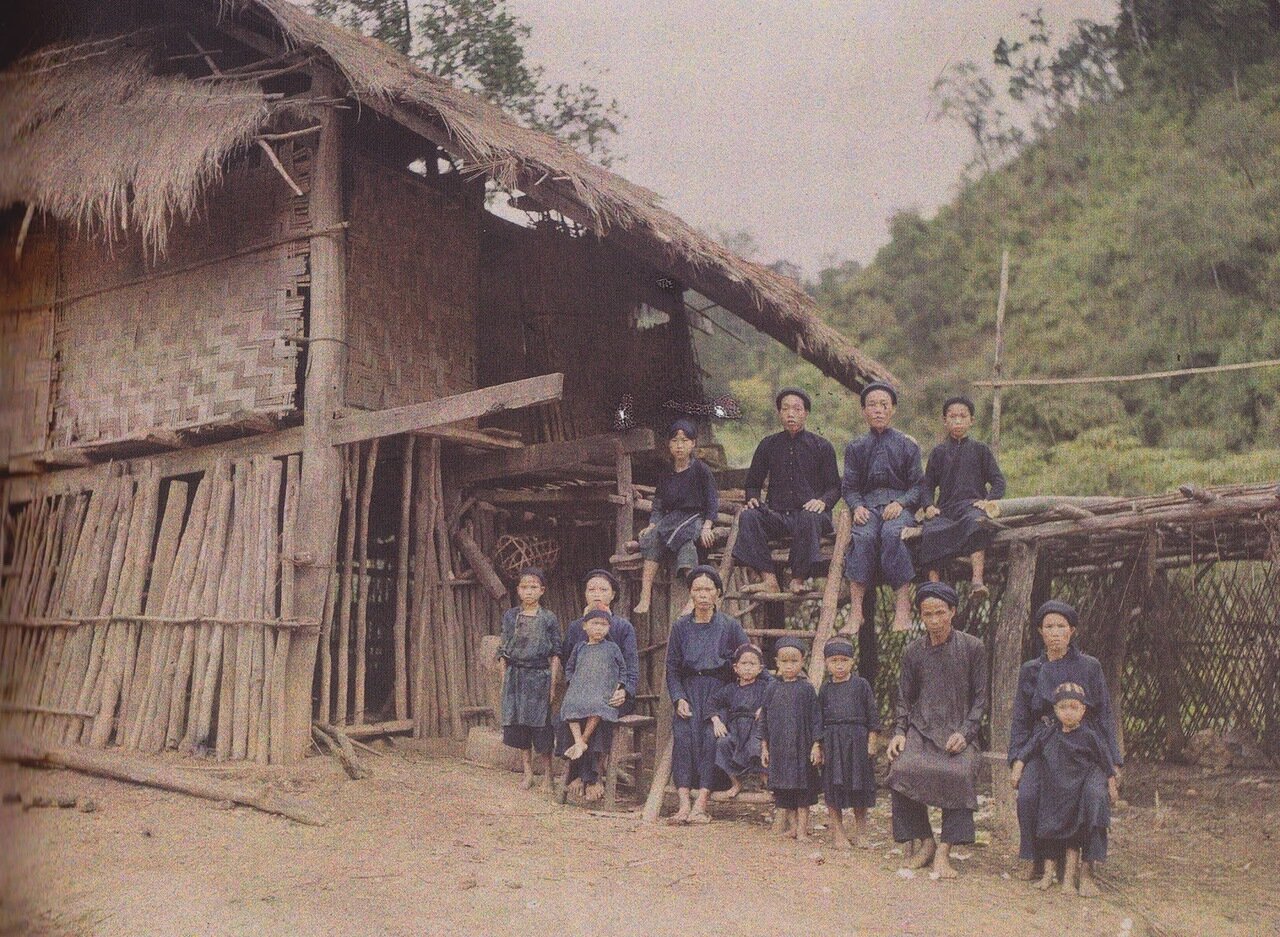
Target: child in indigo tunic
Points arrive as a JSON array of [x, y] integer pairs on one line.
[[790, 741], [966, 476], [850, 723], [595, 671], [530, 653], [1074, 809], [735, 720], [684, 507]]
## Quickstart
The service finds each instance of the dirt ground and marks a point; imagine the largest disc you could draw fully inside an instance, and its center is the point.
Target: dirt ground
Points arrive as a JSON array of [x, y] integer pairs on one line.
[[433, 845]]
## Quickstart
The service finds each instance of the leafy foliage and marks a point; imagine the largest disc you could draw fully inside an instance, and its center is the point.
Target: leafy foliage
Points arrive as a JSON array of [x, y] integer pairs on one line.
[[479, 44]]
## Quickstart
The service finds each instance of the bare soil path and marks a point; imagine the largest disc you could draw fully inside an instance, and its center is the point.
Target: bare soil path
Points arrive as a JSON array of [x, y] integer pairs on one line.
[[437, 846]]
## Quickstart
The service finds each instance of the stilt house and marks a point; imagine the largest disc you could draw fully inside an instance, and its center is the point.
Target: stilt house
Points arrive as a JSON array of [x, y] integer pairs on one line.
[[282, 397]]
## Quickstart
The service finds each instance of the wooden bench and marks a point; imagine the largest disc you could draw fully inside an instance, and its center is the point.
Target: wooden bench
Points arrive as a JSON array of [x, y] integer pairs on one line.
[[638, 726]]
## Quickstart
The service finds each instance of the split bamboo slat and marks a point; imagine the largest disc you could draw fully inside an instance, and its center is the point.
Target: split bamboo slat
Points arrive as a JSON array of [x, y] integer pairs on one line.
[[362, 595]]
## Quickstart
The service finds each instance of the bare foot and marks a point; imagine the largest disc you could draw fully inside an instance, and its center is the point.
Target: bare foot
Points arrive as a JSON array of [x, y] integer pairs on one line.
[[574, 787], [576, 751], [798, 587], [642, 607], [724, 796], [699, 817], [546, 786], [922, 856], [632, 546], [1026, 871], [1088, 887], [902, 620], [978, 591], [839, 840], [942, 868], [1047, 880], [851, 628], [593, 792], [801, 835], [526, 783], [781, 824]]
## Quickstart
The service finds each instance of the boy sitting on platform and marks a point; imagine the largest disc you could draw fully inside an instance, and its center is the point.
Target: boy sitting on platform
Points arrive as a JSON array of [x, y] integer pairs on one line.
[[968, 476], [684, 508], [530, 653], [850, 723], [1076, 791], [595, 672], [791, 741], [735, 720]]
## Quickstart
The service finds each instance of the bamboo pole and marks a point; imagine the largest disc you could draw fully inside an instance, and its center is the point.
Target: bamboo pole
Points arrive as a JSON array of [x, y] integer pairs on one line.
[[425, 711], [831, 595], [250, 597], [998, 367], [362, 596], [266, 640], [283, 638], [453, 655], [399, 637], [343, 700]]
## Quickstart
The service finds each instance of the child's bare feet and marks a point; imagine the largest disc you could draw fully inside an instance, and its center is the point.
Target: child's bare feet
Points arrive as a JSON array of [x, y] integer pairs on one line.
[[1050, 876], [699, 816], [642, 607], [574, 787], [735, 788], [922, 856], [1088, 887], [978, 590], [576, 751], [593, 792], [838, 838], [1070, 871], [781, 823], [526, 783], [546, 786]]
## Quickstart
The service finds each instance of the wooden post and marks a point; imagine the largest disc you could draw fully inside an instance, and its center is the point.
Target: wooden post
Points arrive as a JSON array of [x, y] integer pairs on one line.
[[1015, 613], [831, 594], [997, 370], [323, 394], [400, 624]]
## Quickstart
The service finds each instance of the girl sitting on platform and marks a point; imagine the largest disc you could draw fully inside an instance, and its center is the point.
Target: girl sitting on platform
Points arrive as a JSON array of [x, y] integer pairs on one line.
[[791, 741], [684, 508], [595, 671], [530, 653], [734, 718], [850, 723], [1077, 785]]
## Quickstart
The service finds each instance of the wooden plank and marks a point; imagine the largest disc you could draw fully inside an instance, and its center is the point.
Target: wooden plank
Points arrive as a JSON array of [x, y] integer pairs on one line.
[[831, 595], [550, 456], [358, 426], [470, 437], [1015, 613]]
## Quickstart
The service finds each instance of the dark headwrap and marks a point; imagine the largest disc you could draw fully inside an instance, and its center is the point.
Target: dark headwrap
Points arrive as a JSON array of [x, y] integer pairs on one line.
[[534, 571], [960, 399], [1062, 608], [1069, 691], [704, 570], [688, 427], [796, 643], [936, 590], [597, 613], [838, 647], [605, 575], [744, 649], [878, 385], [792, 392]]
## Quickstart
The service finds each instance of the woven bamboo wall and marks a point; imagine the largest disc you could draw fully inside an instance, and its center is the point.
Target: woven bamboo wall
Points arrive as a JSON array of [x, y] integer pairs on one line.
[[190, 348], [412, 288], [25, 340], [550, 302]]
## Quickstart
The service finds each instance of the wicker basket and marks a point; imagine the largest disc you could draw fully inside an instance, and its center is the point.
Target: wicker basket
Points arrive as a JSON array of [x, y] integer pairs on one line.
[[514, 553]]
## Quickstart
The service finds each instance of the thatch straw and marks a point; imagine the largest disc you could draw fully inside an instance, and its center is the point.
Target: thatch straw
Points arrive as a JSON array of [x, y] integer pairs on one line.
[[90, 135]]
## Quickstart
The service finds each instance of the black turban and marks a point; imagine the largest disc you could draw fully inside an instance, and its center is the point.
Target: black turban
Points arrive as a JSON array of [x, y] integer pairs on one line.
[[878, 385], [936, 590], [1062, 608], [704, 570]]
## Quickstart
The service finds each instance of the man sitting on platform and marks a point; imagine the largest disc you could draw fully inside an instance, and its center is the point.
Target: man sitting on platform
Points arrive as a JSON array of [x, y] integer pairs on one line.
[[803, 484], [881, 485]]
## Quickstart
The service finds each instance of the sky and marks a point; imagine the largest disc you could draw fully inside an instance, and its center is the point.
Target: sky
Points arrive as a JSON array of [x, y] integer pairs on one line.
[[806, 124]]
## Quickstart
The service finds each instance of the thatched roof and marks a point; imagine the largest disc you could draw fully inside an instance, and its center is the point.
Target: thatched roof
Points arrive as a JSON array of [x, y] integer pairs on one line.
[[90, 134], [165, 163]]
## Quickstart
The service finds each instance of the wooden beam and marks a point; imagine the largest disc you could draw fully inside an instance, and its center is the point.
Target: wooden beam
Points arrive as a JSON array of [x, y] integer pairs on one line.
[[320, 490], [553, 455], [359, 426], [1015, 614], [470, 437], [577, 494]]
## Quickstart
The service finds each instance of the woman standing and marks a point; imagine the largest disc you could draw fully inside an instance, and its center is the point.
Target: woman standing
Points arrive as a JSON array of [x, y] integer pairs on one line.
[[1061, 662], [599, 590], [699, 650]]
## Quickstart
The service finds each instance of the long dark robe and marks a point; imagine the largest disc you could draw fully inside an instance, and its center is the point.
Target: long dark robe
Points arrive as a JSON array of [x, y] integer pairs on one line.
[[961, 472], [1074, 805], [790, 722], [698, 656], [738, 753], [849, 715], [527, 644], [594, 672], [1034, 704], [942, 689]]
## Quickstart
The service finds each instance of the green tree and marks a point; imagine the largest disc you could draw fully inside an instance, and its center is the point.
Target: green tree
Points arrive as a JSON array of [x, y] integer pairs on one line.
[[479, 44]]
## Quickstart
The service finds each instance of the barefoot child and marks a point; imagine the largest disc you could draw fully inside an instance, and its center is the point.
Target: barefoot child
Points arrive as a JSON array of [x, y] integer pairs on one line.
[[968, 477], [595, 672], [790, 743], [736, 708], [1076, 790], [850, 723], [684, 507], [530, 655]]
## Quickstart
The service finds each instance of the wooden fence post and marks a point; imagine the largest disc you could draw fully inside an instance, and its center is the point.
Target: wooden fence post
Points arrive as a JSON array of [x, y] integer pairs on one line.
[[1011, 623]]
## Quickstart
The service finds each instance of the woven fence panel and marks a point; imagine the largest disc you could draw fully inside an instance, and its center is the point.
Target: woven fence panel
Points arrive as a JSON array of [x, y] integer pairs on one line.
[[186, 349], [26, 363], [412, 288]]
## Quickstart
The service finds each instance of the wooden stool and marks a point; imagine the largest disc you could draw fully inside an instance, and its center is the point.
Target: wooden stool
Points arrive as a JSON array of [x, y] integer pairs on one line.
[[638, 726]]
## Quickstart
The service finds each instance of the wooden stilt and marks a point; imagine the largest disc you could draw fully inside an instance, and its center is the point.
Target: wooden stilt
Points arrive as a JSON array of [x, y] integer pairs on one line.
[[343, 700], [400, 625], [1014, 616], [831, 594], [362, 595]]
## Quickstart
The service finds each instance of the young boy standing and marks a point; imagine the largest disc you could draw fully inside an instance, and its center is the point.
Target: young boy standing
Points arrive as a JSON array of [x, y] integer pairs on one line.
[[850, 723], [965, 475], [791, 740], [530, 653]]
